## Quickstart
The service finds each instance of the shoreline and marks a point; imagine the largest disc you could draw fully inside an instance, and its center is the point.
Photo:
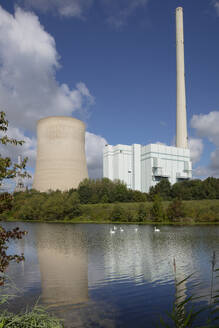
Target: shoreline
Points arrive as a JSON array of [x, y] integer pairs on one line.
[[188, 213], [166, 223]]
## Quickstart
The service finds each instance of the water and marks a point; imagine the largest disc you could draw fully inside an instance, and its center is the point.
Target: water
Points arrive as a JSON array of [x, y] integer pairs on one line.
[[93, 278]]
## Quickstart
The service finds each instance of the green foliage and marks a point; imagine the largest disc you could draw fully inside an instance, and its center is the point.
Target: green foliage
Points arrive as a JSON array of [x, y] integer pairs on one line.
[[8, 170], [184, 313], [121, 214], [104, 199], [137, 196], [85, 191], [55, 205], [107, 191], [5, 259], [157, 212], [187, 190], [175, 210], [118, 214], [5, 202], [36, 318], [143, 213], [163, 188]]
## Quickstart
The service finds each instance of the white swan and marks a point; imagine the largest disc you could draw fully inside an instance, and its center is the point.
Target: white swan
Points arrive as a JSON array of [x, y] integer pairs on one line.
[[121, 229], [156, 229], [115, 228], [112, 231], [136, 229]]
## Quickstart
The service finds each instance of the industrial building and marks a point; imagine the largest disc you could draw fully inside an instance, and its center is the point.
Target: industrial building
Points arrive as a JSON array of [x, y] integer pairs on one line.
[[142, 167], [61, 162]]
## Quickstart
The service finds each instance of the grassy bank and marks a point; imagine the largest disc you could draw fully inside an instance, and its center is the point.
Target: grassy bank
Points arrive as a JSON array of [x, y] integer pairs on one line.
[[193, 212], [38, 317]]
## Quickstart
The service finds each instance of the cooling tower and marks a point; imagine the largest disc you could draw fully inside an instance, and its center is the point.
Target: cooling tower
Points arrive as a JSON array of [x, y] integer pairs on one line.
[[61, 162], [181, 121]]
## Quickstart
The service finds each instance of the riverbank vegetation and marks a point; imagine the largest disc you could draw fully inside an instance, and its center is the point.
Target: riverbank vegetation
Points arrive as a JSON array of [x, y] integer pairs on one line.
[[103, 200], [38, 317], [66, 206], [187, 310]]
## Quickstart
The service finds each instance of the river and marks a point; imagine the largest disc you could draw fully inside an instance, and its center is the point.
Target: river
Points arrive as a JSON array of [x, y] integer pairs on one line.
[[91, 277]]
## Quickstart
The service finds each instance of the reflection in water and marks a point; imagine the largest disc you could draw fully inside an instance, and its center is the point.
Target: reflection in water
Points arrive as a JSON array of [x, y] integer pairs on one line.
[[63, 265], [96, 279], [144, 255]]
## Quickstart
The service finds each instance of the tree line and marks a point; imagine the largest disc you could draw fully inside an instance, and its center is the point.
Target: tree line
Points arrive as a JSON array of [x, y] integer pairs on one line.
[[187, 190], [107, 191], [82, 202]]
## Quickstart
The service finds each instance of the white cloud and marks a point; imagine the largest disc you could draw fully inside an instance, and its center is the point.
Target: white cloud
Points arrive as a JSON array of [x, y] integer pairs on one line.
[[207, 126], [216, 6], [29, 60], [196, 149], [118, 12], [214, 165], [29, 90], [200, 172], [66, 8], [28, 149], [94, 154]]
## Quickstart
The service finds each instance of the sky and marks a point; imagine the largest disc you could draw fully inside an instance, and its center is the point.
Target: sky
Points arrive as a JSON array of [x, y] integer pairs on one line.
[[112, 64]]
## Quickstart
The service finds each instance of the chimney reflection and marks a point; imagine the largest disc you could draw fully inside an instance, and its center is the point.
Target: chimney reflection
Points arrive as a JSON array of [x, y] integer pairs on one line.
[[62, 256]]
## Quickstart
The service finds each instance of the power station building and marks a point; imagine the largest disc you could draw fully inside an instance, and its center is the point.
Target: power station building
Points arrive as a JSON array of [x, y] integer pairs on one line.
[[142, 167]]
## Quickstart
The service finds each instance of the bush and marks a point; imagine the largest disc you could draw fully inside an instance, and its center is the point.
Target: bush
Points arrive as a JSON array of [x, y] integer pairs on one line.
[[5, 202], [157, 211], [129, 216], [118, 214], [142, 213], [175, 210]]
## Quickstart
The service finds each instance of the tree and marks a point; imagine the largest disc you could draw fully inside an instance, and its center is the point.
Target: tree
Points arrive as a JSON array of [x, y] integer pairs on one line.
[[85, 191], [175, 210], [157, 211], [117, 214], [5, 202], [163, 188], [142, 213], [5, 259], [8, 170]]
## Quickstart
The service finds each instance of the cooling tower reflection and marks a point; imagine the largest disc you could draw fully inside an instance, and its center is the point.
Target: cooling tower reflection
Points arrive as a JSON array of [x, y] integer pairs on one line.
[[62, 257]]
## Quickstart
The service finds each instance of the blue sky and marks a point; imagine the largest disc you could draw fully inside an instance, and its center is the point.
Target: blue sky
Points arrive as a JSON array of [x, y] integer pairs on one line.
[[112, 64]]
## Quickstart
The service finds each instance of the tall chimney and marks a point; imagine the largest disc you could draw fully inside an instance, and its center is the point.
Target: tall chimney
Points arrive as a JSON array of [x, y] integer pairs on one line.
[[181, 121]]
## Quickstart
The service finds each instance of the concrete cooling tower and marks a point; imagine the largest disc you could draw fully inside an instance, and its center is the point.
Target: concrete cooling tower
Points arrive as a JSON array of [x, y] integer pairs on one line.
[[61, 162]]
